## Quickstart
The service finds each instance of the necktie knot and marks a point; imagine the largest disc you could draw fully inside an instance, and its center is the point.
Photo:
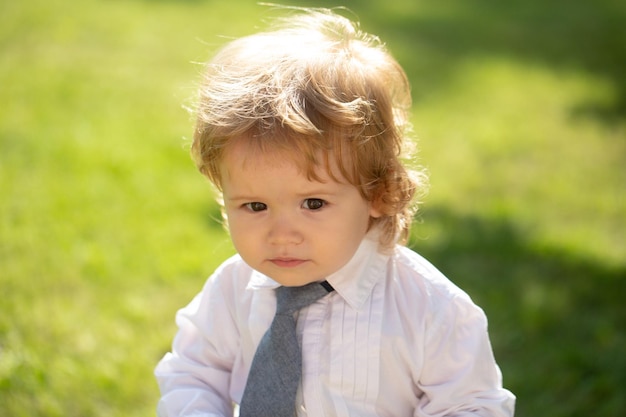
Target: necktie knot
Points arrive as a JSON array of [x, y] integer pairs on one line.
[[291, 299]]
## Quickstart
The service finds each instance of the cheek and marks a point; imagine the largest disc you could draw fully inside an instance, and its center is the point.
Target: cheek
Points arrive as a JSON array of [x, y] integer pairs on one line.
[[244, 243], [353, 225], [237, 229]]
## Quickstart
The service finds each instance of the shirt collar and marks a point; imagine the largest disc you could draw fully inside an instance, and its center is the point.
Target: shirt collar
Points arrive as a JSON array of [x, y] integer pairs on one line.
[[354, 282]]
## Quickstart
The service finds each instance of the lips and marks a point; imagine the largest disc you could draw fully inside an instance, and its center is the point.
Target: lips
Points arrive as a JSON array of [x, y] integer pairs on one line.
[[287, 262]]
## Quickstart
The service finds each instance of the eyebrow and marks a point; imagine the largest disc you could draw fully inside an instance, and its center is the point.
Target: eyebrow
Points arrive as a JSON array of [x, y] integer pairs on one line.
[[242, 197], [317, 192], [313, 193]]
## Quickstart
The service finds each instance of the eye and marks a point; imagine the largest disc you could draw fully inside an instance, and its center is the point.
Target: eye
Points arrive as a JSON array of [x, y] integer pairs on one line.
[[313, 203], [255, 206]]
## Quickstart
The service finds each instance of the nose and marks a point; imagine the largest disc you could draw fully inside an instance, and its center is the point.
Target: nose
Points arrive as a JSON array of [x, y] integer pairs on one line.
[[284, 230]]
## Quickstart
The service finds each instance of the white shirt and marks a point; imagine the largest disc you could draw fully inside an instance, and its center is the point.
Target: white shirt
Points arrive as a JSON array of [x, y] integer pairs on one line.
[[396, 338]]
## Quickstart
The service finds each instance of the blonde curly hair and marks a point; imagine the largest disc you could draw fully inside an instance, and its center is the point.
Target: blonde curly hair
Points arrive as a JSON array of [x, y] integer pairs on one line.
[[317, 87]]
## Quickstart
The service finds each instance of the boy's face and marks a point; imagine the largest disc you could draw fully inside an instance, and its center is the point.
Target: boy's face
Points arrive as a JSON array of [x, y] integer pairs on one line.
[[290, 228]]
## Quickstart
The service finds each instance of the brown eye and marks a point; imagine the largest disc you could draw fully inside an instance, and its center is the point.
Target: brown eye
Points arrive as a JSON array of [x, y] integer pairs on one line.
[[255, 206], [313, 203]]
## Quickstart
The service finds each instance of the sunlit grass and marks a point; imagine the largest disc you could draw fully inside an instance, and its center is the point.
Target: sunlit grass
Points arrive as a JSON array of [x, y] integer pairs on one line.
[[106, 228]]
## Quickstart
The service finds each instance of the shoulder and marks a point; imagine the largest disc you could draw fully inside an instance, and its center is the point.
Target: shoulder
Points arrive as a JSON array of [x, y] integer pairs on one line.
[[415, 277], [226, 284], [412, 269]]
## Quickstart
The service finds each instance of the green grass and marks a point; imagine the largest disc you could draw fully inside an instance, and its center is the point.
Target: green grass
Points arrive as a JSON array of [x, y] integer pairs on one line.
[[106, 229]]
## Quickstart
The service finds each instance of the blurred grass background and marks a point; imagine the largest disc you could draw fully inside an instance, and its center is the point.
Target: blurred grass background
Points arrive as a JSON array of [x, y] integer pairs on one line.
[[106, 228]]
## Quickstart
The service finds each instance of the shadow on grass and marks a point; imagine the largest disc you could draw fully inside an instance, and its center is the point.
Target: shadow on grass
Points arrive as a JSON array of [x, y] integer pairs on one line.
[[556, 321]]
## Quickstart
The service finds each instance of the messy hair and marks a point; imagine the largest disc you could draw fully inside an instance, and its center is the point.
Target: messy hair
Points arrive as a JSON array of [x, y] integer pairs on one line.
[[316, 87]]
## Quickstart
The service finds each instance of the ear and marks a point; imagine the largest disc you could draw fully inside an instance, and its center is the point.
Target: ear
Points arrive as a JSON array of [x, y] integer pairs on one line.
[[375, 212]]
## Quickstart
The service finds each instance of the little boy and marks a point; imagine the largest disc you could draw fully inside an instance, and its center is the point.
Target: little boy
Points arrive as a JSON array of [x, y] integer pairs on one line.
[[301, 130]]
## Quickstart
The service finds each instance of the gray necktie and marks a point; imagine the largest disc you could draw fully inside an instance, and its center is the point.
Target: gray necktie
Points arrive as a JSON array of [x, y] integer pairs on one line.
[[277, 365]]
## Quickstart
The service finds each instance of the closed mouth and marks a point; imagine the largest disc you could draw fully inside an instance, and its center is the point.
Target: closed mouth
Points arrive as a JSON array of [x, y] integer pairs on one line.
[[287, 262]]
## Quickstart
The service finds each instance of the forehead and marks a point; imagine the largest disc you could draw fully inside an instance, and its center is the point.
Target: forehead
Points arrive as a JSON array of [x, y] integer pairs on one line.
[[244, 155]]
